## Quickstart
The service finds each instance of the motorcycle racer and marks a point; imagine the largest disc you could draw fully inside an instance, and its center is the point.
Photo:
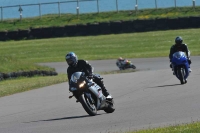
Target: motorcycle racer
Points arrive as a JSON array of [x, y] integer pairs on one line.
[[179, 46], [75, 65]]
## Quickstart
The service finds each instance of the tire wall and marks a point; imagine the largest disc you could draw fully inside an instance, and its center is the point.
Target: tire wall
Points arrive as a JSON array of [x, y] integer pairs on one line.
[[102, 28]]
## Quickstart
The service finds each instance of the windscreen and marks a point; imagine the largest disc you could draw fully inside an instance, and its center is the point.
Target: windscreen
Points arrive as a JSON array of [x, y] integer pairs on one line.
[[178, 55]]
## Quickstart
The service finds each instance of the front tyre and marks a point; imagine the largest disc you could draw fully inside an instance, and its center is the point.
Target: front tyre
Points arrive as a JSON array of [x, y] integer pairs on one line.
[[89, 107], [181, 75]]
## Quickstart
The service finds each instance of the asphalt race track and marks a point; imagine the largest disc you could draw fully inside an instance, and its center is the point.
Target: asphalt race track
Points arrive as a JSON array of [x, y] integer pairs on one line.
[[150, 97]]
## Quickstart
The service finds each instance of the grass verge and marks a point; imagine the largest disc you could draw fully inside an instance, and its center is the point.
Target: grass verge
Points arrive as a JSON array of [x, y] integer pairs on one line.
[[193, 127], [69, 19], [12, 86]]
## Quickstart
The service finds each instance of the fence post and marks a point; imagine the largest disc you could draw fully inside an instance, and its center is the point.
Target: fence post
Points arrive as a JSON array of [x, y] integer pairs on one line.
[[40, 11], [77, 9], [117, 5], [98, 6], [175, 3], [20, 12], [156, 4], [193, 2], [136, 7], [59, 8], [1, 13]]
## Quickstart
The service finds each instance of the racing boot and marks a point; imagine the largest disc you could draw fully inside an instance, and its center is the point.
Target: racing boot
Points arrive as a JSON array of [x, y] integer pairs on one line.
[[99, 81], [190, 70], [104, 90]]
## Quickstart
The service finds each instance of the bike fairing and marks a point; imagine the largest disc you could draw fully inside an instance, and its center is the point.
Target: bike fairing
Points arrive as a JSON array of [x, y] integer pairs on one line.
[[90, 94], [179, 59]]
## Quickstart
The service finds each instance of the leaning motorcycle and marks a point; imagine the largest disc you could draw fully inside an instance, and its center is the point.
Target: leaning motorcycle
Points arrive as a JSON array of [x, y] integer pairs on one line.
[[180, 66], [90, 95], [126, 64]]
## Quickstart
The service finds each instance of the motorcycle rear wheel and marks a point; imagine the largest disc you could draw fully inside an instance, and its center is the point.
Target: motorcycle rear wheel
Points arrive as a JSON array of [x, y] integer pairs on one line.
[[89, 107], [134, 67], [111, 108]]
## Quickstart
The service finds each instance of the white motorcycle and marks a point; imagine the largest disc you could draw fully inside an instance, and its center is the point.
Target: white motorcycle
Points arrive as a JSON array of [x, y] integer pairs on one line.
[[90, 95]]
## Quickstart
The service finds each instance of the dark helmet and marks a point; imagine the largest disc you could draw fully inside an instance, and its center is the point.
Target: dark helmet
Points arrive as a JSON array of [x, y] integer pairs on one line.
[[178, 40], [71, 59]]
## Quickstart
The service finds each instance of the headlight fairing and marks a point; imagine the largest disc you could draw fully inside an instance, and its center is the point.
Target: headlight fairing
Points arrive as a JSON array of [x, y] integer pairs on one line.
[[82, 84]]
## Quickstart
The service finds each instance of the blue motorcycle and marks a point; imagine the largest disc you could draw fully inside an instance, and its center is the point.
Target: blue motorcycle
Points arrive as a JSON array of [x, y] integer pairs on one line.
[[181, 66]]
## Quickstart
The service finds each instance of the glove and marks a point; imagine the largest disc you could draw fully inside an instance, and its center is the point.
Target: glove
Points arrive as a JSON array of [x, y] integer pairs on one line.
[[71, 89], [189, 61], [90, 76]]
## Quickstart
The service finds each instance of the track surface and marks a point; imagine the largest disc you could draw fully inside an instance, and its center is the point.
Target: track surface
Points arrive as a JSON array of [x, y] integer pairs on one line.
[[150, 97]]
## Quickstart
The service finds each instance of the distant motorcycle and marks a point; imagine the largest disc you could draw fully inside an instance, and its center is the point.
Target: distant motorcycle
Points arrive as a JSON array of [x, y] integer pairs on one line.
[[125, 64], [180, 66], [90, 95]]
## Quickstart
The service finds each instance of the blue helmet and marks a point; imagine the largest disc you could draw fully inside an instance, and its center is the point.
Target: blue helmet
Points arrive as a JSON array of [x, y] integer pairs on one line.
[[71, 59], [178, 40]]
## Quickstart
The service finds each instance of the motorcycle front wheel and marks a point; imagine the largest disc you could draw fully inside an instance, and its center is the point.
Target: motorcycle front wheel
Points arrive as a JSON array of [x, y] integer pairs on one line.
[[181, 76], [89, 107]]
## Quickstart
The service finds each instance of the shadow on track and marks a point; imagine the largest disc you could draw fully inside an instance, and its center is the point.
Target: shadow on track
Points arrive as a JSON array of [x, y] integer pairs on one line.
[[164, 85], [64, 118]]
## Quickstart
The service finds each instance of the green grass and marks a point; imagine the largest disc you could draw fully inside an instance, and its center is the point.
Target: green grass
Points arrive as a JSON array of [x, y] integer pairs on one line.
[[69, 19], [12, 86], [193, 127], [13, 64]]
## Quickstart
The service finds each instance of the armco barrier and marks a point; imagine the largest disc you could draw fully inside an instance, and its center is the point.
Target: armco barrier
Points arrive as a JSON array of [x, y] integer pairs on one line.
[[103, 28]]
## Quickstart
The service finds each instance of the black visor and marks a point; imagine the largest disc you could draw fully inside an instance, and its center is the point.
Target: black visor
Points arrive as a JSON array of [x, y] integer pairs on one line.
[[69, 62]]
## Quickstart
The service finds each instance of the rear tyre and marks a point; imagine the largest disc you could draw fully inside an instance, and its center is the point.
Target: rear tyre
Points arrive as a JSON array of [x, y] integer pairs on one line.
[[134, 67], [89, 107], [111, 108]]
